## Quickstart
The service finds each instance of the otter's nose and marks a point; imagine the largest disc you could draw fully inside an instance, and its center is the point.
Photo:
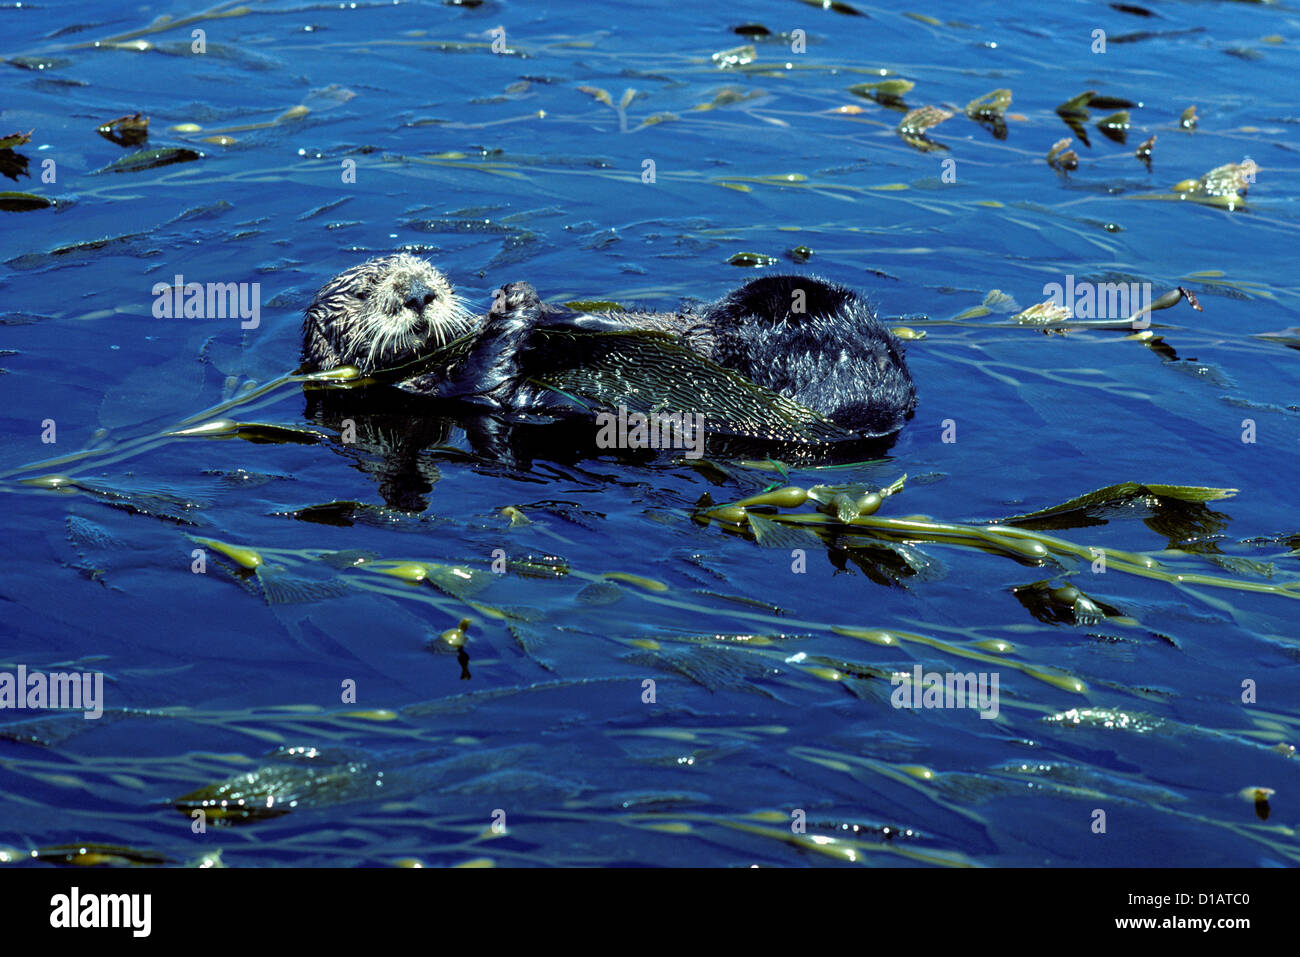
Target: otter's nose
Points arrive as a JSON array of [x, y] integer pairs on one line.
[[418, 295]]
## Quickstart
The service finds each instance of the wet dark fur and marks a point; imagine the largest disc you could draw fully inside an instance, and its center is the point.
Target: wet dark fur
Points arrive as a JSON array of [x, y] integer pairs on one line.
[[834, 357]]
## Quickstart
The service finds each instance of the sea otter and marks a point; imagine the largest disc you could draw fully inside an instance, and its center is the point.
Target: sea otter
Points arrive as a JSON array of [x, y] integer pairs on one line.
[[806, 343]]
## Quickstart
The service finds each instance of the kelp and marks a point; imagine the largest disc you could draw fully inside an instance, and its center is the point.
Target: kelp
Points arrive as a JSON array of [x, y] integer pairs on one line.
[[157, 503], [1054, 603], [1061, 158], [1092, 507], [736, 56], [1144, 150], [1116, 126], [1020, 544], [129, 130], [1053, 315], [14, 202], [990, 110], [888, 93], [1224, 186], [913, 127], [152, 159], [1074, 112]]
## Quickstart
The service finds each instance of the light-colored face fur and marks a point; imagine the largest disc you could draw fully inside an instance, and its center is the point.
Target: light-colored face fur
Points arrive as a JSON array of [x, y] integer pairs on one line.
[[383, 313]]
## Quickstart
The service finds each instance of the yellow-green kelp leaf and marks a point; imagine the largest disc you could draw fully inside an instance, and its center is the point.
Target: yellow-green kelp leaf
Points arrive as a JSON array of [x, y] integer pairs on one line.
[[752, 260], [262, 433], [1144, 150], [12, 202], [727, 96], [989, 105], [1116, 126], [599, 95], [736, 56], [990, 110], [912, 127], [1061, 157], [1049, 310], [15, 139], [770, 534], [885, 92], [649, 584], [276, 790], [1153, 496], [239, 554], [151, 159], [1077, 106], [129, 130], [1223, 186], [91, 854], [1064, 604], [595, 305]]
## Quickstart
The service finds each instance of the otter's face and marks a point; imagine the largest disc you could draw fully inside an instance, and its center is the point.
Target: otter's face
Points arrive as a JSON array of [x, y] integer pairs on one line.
[[382, 313]]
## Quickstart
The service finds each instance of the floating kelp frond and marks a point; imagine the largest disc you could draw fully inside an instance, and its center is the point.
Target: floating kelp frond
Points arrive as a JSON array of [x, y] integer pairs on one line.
[[129, 130], [990, 110], [769, 534], [912, 127], [151, 159], [157, 503], [1043, 313], [1188, 120], [728, 96], [1019, 543], [53, 730], [736, 56], [282, 587], [1116, 126], [91, 854], [1064, 604], [261, 433], [1224, 186], [276, 790], [752, 260], [596, 93], [1074, 112], [1073, 776], [244, 557], [1061, 158], [471, 702], [1108, 719], [16, 139], [12, 202], [1090, 508], [888, 93], [1144, 150], [712, 667]]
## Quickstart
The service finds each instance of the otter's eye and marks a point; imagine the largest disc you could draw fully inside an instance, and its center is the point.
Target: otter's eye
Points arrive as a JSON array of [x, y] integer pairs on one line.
[[363, 295]]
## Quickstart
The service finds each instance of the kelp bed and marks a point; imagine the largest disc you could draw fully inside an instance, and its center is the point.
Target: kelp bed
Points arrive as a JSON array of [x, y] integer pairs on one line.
[[500, 632]]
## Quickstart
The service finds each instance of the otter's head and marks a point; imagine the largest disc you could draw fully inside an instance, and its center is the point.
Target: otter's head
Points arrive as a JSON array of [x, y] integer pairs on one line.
[[380, 314]]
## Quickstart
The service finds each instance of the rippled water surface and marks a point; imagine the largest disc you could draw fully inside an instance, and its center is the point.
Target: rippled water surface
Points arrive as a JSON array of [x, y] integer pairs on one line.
[[771, 737]]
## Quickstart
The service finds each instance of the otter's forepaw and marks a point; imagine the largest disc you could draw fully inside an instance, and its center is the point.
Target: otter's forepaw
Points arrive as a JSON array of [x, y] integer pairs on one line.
[[514, 297]]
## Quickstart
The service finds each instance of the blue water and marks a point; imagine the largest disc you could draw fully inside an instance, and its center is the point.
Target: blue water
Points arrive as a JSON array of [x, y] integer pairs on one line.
[[499, 166]]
